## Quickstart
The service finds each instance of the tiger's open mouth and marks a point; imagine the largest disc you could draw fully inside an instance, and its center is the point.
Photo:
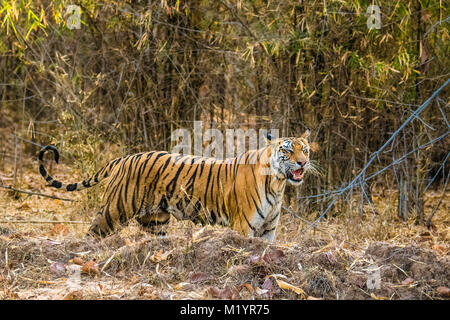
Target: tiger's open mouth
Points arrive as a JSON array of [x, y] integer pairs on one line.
[[296, 175]]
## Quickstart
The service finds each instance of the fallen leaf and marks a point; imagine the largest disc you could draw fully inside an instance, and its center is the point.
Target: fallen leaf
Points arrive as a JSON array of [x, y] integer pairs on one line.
[[73, 271], [99, 288], [378, 297], [278, 275], [261, 292], [11, 295], [267, 284], [269, 287], [5, 238], [214, 291], [90, 267], [74, 295], [443, 291], [198, 236], [273, 255], [287, 286], [408, 281], [147, 292], [184, 286], [425, 236], [238, 269], [58, 268], [426, 15], [255, 259], [249, 287], [159, 255], [128, 242], [313, 298], [326, 247], [203, 91], [440, 248], [199, 277], [330, 257], [77, 260], [423, 58], [225, 293], [24, 206], [135, 279], [59, 229]]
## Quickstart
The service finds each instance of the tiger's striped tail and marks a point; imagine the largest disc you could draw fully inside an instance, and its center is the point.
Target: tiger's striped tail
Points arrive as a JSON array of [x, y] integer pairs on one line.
[[92, 181]]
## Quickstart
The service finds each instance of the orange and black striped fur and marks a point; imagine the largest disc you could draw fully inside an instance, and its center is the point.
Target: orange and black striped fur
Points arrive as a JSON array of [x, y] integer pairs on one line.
[[244, 193]]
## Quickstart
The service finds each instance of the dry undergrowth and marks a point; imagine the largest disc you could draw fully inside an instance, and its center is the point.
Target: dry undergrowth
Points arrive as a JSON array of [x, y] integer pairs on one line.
[[45, 255]]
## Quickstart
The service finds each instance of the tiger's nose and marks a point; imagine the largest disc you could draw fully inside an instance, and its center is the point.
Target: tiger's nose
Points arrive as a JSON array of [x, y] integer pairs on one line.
[[301, 163]]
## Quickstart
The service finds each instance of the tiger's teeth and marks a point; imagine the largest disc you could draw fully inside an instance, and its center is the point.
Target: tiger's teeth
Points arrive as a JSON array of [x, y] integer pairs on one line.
[[297, 174]]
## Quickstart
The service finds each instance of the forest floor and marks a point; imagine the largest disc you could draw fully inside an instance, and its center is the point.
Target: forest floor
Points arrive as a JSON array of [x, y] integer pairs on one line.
[[44, 253]]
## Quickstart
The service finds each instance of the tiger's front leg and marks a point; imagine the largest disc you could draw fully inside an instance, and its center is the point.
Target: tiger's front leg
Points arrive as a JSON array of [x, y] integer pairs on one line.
[[269, 234], [104, 223], [268, 228]]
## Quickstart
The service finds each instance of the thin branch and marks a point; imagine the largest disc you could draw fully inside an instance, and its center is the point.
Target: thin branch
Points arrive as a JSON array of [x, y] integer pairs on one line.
[[43, 221], [35, 193], [375, 155]]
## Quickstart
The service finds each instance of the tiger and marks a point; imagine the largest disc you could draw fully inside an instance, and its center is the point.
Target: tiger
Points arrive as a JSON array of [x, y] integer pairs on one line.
[[244, 193]]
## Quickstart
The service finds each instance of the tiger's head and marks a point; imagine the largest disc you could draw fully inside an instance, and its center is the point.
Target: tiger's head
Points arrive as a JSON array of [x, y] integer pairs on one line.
[[290, 157]]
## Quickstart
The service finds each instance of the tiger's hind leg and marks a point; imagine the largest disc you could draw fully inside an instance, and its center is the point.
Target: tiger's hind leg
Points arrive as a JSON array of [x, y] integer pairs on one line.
[[154, 221], [99, 227], [104, 223]]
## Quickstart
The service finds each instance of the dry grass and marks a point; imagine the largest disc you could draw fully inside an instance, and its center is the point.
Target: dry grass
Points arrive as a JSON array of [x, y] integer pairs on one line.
[[40, 237], [129, 78]]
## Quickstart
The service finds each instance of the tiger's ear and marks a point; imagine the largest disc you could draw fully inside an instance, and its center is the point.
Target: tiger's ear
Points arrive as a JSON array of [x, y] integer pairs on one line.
[[306, 134]]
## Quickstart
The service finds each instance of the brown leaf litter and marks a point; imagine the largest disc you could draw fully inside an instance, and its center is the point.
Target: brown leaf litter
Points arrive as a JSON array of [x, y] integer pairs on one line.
[[216, 264]]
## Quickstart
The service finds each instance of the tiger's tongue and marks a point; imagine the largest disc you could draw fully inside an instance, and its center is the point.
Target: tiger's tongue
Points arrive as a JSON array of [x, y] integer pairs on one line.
[[297, 174]]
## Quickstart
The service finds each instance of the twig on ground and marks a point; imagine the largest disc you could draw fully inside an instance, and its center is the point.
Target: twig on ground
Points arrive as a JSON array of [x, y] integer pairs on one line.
[[35, 193], [43, 221]]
